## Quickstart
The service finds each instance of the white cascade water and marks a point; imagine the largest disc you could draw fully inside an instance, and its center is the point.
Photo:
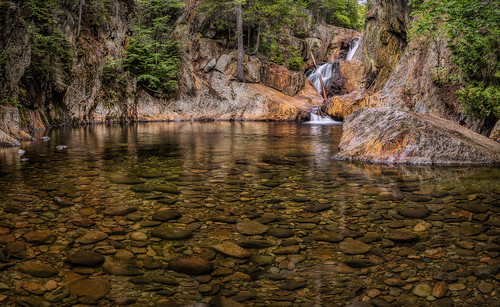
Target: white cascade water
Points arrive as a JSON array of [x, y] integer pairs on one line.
[[353, 47], [326, 71], [319, 117]]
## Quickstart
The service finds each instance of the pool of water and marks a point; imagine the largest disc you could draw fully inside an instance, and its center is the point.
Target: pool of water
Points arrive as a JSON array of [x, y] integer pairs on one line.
[[239, 214]]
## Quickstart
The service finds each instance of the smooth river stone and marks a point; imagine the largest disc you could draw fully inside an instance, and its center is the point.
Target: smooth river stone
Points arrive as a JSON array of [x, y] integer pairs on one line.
[[403, 236], [152, 174], [120, 210], [126, 180], [83, 222], [40, 237], [85, 258], [331, 237], [232, 249], [361, 262], [439, 289], [171, 233], [417, 213], [167, 189], [422, 290], [122, 269], [141, 189], [281, 232], [166, 215], [95, 288], [93, 237], [315, 208], [191, 266], [256, 243], [37, 269], [251, 228], [354, 247]]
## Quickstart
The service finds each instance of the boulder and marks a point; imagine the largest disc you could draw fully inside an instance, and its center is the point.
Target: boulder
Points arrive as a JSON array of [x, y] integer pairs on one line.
[[343, 106], [280, 78], [387, 135], [353, 73]]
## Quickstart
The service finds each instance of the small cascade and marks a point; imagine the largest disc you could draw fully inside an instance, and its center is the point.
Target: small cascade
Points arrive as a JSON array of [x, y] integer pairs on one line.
[[319, 117], [353, 47], [327, 71]]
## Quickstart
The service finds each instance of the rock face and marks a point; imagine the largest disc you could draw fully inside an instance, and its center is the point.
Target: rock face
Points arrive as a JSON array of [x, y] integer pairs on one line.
[[384, 40], [353, 74], [387, 135], [282, 79], [206, 88], [343, 106]]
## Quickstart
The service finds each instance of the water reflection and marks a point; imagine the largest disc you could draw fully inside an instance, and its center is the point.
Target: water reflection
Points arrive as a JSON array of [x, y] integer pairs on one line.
[[296, 227]]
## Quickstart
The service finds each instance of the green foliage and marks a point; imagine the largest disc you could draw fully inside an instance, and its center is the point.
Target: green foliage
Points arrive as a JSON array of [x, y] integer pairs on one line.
[[51, 52], [274, 52], [472, 29], [153, 56], [342, 13], [481, 100], [10, 100], [295, 62], [100, 11], [341, 20]]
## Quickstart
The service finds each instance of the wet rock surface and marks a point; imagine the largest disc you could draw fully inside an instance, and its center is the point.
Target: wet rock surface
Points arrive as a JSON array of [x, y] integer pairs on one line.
[[388, 135], [296, 229]]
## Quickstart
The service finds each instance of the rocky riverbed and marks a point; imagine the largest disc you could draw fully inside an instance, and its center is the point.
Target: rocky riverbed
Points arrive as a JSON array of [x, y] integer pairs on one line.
[[258, 219]]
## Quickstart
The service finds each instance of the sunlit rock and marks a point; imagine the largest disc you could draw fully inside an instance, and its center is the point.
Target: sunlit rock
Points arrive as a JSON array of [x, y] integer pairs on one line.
[[387, 135]]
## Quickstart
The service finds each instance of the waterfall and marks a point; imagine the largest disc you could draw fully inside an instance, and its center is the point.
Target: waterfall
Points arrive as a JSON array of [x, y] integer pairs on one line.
[[319, 117], [327, 71], [353, 47]]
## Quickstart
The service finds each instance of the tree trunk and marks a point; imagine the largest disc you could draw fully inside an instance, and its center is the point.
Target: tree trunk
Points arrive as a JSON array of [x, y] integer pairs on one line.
[[79, 18], [240, 74], [257, 43]]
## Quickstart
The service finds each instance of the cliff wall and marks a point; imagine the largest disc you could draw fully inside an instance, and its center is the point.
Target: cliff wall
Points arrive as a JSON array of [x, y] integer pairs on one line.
[[206, 89]]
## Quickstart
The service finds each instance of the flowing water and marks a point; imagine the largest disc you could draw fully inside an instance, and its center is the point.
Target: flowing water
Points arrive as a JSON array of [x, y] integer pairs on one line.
[[353, 47], [325, 71], [319, 117], [257, 214]]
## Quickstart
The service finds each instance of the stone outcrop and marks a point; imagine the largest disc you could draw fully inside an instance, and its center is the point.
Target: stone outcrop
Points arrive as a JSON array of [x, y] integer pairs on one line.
[[387, 135], [206, 89], [384, 40], [282, 79], [342, 106], [352, 72]]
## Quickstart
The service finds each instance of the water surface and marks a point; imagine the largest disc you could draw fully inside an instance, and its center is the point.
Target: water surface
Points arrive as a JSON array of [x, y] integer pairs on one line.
[[274, 220]]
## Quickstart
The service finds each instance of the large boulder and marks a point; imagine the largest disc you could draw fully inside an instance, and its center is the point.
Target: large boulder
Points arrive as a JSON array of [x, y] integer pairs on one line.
[[280, 78], [353, 73], [387, 135], [342, 106]]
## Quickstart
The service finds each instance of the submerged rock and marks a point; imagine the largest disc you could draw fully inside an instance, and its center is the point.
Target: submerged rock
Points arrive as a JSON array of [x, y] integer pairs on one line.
[[387, 135]]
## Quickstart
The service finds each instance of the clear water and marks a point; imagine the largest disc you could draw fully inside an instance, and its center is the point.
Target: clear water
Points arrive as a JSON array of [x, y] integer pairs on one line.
[[279, 174]]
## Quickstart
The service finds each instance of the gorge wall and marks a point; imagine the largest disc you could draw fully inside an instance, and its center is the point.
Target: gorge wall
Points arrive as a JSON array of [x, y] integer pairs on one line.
[[206, 90], [408, 74]]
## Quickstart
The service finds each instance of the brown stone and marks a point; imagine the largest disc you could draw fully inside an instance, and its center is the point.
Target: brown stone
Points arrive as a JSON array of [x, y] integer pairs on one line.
[[280, 78], [342, 106], [232, 249], [40, 237], [387, 135], [191, 266], [440, 289], [37, 269], [94, 288]]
